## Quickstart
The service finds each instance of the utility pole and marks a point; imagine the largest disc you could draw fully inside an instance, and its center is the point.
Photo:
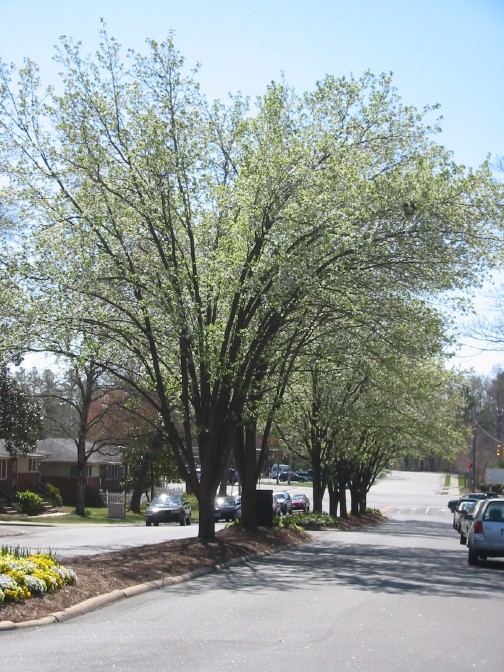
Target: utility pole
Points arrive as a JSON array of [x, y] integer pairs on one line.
[[473, 461]]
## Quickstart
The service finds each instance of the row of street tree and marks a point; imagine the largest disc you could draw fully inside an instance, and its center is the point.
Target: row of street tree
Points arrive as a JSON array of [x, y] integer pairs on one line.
[[241, 270]]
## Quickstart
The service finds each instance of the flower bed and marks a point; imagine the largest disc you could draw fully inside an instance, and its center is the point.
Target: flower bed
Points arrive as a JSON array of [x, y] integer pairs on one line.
[[24, 574]]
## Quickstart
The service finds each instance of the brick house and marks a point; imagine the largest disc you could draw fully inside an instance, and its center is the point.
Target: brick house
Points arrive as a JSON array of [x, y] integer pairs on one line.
[[55, 461], [59, 467], [19, 472]]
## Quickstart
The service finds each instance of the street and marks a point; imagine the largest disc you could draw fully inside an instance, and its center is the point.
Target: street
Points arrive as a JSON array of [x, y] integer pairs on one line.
[[398, 495], [396, 597]]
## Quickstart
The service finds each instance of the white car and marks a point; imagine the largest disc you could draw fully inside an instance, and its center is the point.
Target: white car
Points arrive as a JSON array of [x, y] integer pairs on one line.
[[485, 538], [278, 469]]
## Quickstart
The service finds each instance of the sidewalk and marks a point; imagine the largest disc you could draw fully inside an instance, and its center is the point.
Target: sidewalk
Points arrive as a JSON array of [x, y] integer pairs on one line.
[[454, 488]]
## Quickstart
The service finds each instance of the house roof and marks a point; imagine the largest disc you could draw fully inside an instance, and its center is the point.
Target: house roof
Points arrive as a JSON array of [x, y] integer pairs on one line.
[[65, 450], [4, 453]]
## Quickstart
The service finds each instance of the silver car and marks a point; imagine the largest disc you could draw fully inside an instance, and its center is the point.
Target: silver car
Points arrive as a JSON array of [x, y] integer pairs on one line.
[[466, 520], [464, 507], [485, 538]]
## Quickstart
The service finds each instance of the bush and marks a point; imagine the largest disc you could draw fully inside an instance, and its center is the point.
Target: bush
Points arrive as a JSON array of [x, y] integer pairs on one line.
[[94, 498], [54, 495], [29, 503], [315, 521], [287, 522]]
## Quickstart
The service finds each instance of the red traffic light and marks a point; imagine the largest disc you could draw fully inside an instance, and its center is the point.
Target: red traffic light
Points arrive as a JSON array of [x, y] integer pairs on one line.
[[469, 465]]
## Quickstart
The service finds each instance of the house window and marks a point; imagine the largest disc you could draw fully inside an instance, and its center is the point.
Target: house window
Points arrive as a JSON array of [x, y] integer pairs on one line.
[[112, 472], [3, 470], [74, 472], [33, 465]]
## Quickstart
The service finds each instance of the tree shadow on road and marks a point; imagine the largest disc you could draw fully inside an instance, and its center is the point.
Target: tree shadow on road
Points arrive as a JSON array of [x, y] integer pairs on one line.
[[397, 565]]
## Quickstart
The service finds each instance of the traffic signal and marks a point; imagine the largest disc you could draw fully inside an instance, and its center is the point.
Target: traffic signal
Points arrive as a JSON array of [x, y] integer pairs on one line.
[[469, 465], [500, 451]]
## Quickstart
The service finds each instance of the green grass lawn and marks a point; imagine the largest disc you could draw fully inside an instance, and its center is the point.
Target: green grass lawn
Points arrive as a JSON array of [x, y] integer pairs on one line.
[[94, 515]]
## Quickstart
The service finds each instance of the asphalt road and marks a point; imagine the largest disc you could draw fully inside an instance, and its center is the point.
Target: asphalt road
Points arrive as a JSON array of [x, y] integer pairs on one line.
[[68, 541], [398, 495], [397, 597]]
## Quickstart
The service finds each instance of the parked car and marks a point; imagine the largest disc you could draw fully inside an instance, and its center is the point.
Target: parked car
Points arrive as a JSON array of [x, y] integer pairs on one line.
[[277, 508], [285, 501], [485, 538], [467, 519], [228, 508], [292, 476], [467, 505], [453, 503], [300, 503], [168, 508]]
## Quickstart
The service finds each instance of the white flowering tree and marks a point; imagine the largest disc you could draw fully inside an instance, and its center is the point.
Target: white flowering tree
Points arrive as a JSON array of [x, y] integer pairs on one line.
[[190, 241]]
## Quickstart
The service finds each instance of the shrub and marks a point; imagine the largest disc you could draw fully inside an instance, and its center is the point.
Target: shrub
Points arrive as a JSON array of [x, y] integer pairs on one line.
[[315, 520], [94, 498], [54, 495], [28, 502], [287, 522]]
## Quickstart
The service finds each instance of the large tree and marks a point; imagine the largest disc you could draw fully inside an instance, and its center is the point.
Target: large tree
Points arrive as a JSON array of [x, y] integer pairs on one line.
[[369, 398], [187, 237], [20, 415], [48, 388]]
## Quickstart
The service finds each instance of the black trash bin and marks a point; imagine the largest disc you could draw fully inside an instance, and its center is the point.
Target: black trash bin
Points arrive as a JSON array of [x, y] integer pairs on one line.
[[264, 508]]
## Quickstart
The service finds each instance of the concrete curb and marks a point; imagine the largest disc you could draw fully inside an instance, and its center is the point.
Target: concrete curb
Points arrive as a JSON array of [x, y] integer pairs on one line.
[[100, 601]]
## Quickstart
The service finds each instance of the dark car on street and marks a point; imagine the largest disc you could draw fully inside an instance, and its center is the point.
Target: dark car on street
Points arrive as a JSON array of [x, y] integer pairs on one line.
[[293, 476], [168, 508], [227, 508], [300, 503], [285, 501]]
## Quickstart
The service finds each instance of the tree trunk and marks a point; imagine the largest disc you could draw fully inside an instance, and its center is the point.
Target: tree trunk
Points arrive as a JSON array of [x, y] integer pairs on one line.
[[214, 452], [225, 479], [358, 497], [354, 500], [318, 489], [342, 499], [206, 502], [80, 497], [363, 503], [139, 486], [333, 500], [86, 386]]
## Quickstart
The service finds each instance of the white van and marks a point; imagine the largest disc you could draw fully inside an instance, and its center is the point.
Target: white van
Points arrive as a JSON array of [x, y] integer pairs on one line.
[[280, 468]]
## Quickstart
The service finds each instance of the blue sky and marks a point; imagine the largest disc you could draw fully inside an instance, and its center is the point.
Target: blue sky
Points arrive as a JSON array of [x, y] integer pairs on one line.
[[441, 51]]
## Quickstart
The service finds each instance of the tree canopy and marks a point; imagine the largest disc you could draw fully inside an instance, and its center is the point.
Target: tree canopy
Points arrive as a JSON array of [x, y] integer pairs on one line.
[[20, 416], [190, 242]]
